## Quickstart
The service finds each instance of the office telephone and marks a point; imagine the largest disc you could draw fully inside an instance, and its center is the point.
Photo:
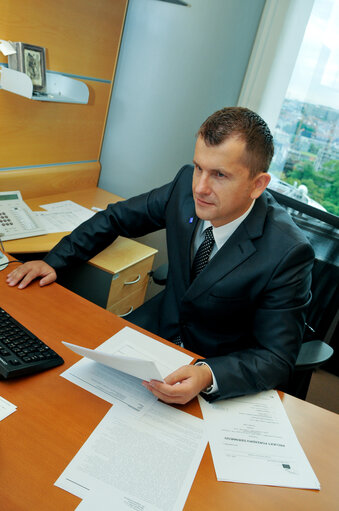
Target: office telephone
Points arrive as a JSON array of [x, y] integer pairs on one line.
[[16, 218]]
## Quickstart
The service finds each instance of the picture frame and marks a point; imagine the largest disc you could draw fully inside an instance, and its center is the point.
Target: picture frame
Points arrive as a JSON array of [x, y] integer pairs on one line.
[[31, 60]]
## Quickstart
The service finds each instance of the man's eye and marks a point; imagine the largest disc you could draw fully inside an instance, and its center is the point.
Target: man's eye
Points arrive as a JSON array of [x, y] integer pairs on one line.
[[220, 174]]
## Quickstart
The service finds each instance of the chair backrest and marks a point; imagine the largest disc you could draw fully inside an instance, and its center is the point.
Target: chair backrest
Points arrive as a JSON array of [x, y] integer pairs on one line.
[[322, 231], [325, 300]]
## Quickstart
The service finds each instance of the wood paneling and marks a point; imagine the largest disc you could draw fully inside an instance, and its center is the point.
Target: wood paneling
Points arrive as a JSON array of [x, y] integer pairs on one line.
[[42, 132], [80, 36], [38, 182]]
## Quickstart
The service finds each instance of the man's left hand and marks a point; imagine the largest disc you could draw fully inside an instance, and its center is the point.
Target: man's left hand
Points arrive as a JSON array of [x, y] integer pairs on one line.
[[182, 385]]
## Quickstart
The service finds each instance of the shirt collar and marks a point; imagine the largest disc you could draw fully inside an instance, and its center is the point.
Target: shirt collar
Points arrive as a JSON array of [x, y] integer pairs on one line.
[[222, 233]]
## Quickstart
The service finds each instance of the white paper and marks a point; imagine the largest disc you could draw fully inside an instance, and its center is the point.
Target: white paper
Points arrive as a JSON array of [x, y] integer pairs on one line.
[[7, 48], [63, 216], [119, 388], [146, 463], [113, 386], [144, 369], [107, 500], [64, 205], [6, 408], [252, 441], [57, 221], [132, 343]]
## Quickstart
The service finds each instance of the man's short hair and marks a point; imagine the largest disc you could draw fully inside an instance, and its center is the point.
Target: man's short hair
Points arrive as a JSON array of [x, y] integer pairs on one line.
[[246, 125]]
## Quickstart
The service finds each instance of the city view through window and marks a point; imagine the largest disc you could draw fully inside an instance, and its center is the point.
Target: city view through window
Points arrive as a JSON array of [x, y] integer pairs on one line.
[[306, 137]]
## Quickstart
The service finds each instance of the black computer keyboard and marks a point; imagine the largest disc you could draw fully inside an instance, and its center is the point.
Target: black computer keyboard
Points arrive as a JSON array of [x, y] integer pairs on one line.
[[21, 352]]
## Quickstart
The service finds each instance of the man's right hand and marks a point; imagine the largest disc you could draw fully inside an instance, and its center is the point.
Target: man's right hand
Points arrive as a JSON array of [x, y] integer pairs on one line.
[[23, 275]]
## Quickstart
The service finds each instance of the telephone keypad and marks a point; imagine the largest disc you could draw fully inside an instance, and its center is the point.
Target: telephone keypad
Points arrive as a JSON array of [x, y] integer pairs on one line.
[[5, 220], [16, 218]]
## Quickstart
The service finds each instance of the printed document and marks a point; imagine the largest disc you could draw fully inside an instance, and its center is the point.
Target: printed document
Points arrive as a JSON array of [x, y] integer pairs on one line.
[[146, 462], [252, 441], [62, 216], [120, 388], [138, 367]]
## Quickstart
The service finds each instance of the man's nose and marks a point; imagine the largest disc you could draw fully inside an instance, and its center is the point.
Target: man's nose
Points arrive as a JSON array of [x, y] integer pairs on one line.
[[203, 184]]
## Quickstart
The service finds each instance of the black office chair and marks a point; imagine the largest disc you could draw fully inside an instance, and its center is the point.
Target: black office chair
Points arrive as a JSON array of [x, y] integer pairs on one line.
[[322, 230], [321, 314]]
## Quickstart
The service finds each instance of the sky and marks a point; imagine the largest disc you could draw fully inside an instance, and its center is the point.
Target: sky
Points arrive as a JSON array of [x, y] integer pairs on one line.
[[316, 74]]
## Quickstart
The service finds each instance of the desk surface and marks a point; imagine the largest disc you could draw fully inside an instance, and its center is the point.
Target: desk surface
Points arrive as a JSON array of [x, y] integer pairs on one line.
[[55, 417], [120, 255]]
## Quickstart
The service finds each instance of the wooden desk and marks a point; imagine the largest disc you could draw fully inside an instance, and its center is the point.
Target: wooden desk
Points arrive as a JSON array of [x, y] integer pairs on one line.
[[55, 417], [125, 264]]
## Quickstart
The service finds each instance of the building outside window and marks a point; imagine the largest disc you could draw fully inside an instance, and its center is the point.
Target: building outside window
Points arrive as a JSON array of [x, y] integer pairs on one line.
[[306, 136]]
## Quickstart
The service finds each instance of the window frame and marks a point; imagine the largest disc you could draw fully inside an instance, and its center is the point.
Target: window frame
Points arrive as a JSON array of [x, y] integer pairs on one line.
[[275, 51], [276, 47]]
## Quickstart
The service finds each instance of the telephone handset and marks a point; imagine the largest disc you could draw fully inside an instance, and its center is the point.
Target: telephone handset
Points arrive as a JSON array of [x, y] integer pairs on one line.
[[16, 218]]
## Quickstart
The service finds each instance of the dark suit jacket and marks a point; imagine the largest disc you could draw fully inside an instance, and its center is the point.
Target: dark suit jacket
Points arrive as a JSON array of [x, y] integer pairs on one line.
[[245, 312]]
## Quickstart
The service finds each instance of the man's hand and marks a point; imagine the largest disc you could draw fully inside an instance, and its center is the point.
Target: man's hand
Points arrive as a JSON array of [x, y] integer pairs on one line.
[[23, 275], [182, 385]]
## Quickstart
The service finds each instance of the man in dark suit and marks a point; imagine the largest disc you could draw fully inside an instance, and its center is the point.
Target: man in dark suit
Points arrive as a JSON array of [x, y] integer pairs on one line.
[[245, 310]]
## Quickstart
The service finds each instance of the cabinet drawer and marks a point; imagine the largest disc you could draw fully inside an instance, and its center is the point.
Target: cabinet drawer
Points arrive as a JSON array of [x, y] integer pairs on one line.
[[129, 281], [128, 304]]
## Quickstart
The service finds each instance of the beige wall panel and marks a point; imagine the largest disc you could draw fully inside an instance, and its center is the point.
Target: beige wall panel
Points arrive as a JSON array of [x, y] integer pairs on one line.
[[81, 36], [41, 132], [38, 182]]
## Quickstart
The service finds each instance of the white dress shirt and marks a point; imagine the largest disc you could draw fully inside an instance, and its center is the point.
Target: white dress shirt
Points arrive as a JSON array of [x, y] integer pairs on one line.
[[221, 234]]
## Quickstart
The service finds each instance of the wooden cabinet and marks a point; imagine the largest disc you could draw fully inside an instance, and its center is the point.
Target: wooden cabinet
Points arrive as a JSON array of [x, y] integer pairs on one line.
[[127, 264], [128, 288]]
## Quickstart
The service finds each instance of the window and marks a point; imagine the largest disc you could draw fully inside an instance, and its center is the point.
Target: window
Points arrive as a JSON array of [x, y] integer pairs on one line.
[[306, 161]]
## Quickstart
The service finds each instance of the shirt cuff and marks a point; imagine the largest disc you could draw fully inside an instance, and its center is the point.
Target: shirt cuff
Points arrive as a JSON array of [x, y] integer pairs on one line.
[[212, 388]]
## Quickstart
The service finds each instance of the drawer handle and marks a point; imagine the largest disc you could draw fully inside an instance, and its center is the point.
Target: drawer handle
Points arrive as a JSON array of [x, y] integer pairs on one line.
[[133, 281], [126, 313]]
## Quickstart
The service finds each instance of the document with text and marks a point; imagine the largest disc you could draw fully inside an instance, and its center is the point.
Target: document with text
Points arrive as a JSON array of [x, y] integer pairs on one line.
[[146, 462], [252, 441], [134, 366], [62, 216], [116, 386]]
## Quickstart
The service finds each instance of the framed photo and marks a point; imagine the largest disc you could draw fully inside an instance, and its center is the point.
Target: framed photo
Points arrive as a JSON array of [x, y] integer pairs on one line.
[[31, 60]]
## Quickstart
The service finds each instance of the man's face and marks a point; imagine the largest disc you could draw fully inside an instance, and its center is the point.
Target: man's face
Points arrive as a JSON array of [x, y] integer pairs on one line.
[[222, 187]]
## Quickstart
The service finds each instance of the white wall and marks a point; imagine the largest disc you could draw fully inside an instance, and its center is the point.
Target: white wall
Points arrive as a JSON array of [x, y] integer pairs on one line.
[[176, 66]]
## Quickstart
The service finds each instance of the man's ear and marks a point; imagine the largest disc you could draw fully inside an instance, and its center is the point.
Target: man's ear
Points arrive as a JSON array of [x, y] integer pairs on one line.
[[260, 183]]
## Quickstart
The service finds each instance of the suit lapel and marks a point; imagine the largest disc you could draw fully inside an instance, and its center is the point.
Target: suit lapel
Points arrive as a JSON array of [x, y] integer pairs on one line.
[[235, 251], [190, 221]]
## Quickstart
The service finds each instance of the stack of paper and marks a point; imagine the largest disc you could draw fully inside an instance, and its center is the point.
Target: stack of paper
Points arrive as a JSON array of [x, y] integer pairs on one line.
[[143, 454], [62, 216], [138, 356], [252, 441], [146, 463]]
